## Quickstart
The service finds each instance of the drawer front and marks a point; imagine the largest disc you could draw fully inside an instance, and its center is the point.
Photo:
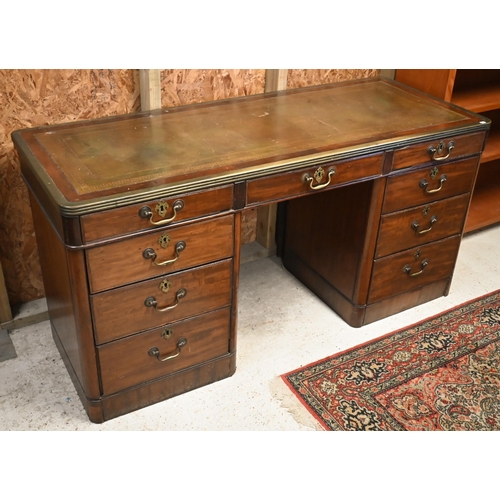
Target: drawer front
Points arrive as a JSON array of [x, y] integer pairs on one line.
[[429, 184], [153, 303], [463, 145], [159, 252], [134, 360], [164, 213], [413, 268], [420, 225], [280, 186]]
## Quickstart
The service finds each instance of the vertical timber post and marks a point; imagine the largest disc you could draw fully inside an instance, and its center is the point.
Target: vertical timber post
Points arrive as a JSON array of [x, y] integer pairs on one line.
[[149, 80]]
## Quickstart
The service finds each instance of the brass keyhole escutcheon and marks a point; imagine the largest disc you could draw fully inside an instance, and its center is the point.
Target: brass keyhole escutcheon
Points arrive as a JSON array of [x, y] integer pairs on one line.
[[167, 333], [434, 172], [319, 174], [165, 285], [161, 208], [164, 240], [417, 254], [426, 210]]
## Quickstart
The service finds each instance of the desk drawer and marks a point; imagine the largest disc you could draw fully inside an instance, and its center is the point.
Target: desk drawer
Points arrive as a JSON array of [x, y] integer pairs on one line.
[[123, 262], [128, 362], [463, 145], [128, 220], [420, 225], [413, 268], [280, 186], [153, 303], [429, 184]]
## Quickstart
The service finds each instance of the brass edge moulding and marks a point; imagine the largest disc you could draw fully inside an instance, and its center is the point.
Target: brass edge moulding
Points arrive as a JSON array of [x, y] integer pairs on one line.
[[72, 209]]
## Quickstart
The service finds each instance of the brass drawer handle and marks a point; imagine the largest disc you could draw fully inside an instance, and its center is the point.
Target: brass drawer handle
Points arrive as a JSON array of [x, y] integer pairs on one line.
[[318, 177], [407, 269], [154, 351], [415, 225], [439, 151], [149, 253], [424, 185], [151, 301], [146, 212]]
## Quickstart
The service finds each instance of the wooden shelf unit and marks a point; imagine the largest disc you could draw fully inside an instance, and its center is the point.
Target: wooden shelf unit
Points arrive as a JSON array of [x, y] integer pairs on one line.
[[477, 90]]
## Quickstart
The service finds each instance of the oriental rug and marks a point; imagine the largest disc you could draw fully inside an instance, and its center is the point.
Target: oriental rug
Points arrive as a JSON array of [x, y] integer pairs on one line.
[[440, 374]]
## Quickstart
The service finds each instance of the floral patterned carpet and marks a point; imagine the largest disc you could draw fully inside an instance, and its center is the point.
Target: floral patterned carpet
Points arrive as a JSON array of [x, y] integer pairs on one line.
[[440, 374]]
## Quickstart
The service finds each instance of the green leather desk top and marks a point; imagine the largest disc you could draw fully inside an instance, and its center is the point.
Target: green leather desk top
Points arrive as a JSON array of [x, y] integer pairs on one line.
[[113, 161]]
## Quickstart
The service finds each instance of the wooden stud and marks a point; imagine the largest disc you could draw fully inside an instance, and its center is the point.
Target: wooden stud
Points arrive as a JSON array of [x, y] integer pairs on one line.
[[149, 80], [266, 216], [275, 80]]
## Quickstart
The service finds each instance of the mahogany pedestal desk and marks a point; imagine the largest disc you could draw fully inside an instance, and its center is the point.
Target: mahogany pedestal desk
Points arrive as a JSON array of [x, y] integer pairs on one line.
[[137, 220]]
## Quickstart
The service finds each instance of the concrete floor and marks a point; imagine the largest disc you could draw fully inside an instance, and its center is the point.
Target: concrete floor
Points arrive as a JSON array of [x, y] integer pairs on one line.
[[282, 326]]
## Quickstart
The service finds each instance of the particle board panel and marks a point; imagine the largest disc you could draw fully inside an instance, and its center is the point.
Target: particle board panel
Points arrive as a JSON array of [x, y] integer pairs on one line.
[[187, 86], [30, 98], [308, 77]]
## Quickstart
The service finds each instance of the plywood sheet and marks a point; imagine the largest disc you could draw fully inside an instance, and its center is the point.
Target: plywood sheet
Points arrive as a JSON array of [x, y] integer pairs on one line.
[[248, 225], [187, 86], [306, 77], [30, 98]]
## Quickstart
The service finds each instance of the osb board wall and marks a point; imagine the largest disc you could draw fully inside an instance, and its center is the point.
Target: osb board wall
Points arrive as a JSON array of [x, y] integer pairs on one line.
[[39, 97], [186, 86], [306, 77]]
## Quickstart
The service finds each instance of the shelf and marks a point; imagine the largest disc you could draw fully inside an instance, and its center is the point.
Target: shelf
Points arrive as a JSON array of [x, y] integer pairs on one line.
[[485, 208], [492, 149], [478, 99], [485, 205], [477, 90]]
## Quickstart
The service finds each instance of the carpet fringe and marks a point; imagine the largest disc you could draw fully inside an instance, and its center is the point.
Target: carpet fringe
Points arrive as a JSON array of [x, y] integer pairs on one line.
[[292, 405]]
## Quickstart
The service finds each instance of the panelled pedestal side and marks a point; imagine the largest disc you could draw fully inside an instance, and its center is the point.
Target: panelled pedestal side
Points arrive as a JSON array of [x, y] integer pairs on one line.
[[66, 290], [146, 315], [422, 207]]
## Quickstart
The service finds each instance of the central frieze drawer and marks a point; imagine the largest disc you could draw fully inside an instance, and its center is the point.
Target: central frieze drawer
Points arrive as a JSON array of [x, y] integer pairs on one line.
[[416, 226], [429, 184], [159, 252], [156, 302], [156, 353], [413, 268], [308, 180]]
